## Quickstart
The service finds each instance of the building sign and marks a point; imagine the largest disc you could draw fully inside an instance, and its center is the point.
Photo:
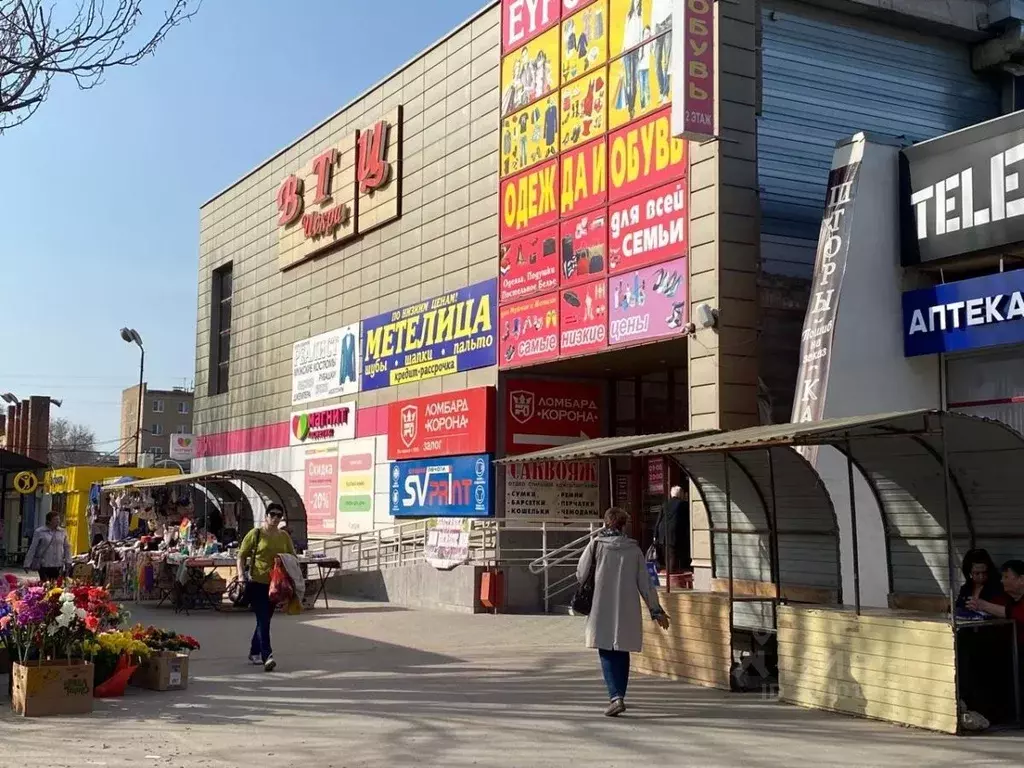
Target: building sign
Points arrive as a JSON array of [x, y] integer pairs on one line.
[[583, 318], [529, 136], [529, 331], [584, 38], [320, 492], [523, 20], [447, 544], [451, 333], [969, 314], [584, 108], [584, 175], [553, 489], [542, 413], [962, 192], [693, 101], [648, 228], [529, 265], [356, 470], [448, 424], [584, 247], [182, 448], [323, 425], [648, 303], [530, 74], [346, 190], [326, 366], [452, 487], [656, 476], [529, 200], [643, 155], [826, 286]]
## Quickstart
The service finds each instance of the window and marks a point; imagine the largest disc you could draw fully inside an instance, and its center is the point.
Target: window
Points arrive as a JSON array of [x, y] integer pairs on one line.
[[183, 429], [158, 406], [220, 329], [157, 429], [183, 408], [156, 450]]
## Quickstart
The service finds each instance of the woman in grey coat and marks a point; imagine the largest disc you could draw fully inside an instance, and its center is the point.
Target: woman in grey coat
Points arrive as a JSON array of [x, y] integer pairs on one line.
[[614, 626]]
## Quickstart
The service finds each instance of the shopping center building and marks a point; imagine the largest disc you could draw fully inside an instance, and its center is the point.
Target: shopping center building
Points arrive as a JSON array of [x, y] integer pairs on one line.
[[503, 246]]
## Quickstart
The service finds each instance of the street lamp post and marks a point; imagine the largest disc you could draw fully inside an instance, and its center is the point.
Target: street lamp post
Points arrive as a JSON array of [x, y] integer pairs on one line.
[[131, 336]]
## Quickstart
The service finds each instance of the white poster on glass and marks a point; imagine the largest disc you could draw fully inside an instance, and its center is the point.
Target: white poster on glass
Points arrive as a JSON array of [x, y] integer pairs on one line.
[[326, 366]]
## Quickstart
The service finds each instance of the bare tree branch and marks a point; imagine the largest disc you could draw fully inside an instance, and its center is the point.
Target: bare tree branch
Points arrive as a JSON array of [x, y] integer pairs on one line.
[[38, 42], [70, 443]]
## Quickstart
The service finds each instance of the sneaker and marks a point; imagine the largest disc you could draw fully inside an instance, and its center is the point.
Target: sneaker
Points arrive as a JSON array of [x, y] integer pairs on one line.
[[255, 660], [616, 708], [269, 665]]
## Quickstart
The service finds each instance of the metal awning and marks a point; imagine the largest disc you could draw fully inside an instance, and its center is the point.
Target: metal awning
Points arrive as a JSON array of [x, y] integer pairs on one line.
[[16, 462], [602, 447]]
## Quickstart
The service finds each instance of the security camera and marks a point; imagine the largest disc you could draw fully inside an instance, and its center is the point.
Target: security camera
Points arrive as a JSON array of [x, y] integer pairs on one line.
[[707, 317]]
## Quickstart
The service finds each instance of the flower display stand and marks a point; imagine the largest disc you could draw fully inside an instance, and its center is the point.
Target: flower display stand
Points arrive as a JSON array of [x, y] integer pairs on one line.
[[52, 688], [163, 671]]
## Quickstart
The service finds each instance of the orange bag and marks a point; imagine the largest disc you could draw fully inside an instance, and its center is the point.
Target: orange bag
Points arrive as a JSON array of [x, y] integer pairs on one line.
[[281, 588]]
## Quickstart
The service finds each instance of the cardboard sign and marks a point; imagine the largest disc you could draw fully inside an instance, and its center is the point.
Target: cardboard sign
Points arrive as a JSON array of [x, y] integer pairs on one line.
[[543, 413], [447, 424], [643, 155], [584, 176], [583, 318], [451, 487], [584, 39], [529, 331], [529, 201], [648, 228], [584, 108], [584, 247], [693, 105], [648, 303], [523, 20], [529, 73], [528, 265], [529, 136], [567, 489]]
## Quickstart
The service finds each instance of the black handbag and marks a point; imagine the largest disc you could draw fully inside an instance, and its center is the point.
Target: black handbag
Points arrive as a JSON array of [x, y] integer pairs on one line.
[[583, 599]]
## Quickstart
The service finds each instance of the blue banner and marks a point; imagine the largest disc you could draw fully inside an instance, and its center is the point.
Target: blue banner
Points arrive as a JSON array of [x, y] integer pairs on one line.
[[447, 334], [459, 486], [981, 312]]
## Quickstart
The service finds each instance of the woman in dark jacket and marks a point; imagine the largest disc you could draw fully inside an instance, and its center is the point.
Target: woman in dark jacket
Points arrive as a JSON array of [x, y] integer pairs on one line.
[[981, 579]]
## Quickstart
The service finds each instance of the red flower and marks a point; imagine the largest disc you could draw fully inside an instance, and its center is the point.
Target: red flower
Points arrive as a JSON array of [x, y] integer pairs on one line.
[[92, 623]]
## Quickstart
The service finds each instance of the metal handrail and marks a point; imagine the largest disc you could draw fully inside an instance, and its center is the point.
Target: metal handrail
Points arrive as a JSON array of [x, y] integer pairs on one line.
[[569, 551]]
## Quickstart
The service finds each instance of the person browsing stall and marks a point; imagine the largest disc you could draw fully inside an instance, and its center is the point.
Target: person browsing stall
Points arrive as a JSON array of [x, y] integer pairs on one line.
[[256, 558], [49, 554]]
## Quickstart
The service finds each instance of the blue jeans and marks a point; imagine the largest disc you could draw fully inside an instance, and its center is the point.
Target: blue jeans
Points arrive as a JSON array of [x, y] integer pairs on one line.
[[615, 666], [259, 600], [645, 88]]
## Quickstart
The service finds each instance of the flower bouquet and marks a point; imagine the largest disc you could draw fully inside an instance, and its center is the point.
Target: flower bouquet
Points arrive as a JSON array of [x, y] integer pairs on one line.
[[164, 639], [166, 668], [116, 655]]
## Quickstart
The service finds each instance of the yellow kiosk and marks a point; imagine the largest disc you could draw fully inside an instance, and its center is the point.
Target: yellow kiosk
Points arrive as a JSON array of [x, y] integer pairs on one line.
[[69, 489]]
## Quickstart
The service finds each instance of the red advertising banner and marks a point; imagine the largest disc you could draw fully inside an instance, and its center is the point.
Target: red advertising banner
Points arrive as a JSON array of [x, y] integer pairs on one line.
[[693, 99], [643, 154], [523, 20], [543, 413], [648, 228], [584, 247], [584, 177], [583, 318], [320, 494], [528, 265], [447, 424], [529, 331], [529, 200]]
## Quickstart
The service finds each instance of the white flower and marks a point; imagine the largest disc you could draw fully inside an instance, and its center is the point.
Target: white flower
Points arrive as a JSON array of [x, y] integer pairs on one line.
[[67, 597], [80, 613]]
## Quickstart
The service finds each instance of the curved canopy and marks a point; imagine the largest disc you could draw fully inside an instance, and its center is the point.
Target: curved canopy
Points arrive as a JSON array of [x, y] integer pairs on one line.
[[901, 457]]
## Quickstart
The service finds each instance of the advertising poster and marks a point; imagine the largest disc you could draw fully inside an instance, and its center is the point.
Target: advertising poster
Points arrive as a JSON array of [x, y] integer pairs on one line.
[[528, 265], [584, 40], [182, 447], [648, 303], [448, 334], [570, 7], [635, 22], [648, 228], [584, 174], [583, 318], [529, 331], [324, 425], [584, 245], [452, 487], [641, 80], [447, 544], [529, 136], [553, 489], [355, 485], [523, 20], [693, 102], [320, 491], [529, 200], [448, 424], [326, 365], [644, 155], [529, 73], [543, 413], [584, 108]]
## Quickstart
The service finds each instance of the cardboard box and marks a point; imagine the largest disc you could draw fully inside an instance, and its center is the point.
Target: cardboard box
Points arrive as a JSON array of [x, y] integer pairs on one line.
[[52, 688], [163, 671]]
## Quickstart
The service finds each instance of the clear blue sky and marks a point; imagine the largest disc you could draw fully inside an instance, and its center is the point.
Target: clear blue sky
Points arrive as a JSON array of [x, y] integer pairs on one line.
[[102, 188]]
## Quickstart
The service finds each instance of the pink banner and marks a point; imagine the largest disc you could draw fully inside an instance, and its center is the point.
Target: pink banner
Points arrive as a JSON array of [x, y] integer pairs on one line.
[[321, 493], [648, 303], [529, 331], [583, 318], [693, 100]]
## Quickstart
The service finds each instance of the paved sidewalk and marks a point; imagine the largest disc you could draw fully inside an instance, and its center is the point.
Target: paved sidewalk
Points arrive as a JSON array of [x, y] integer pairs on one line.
[[374, 685]]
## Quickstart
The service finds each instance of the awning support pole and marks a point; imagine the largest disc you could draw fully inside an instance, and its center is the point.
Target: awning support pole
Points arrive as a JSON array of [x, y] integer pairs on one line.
[[950, 552], [853, 525], [728, 535], [774, 540]]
